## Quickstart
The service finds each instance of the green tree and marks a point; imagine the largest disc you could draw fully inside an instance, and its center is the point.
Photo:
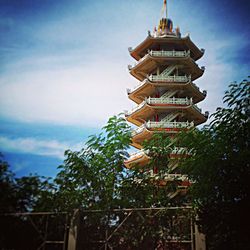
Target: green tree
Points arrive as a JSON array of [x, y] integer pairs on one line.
[[92, 177], [220, 171], [20, 194]]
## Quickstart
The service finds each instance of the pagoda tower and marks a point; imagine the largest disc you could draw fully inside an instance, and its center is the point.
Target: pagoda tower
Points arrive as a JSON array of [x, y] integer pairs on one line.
[[166, 98], [166, 101]]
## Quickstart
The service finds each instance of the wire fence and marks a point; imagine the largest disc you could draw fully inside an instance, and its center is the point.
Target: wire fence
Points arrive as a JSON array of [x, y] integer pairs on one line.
[[138, 228], [118, 229]]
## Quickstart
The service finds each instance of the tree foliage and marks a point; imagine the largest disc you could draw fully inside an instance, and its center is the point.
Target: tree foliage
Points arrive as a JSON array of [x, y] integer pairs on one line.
[[20, 194], [91, 178], [220, 171]]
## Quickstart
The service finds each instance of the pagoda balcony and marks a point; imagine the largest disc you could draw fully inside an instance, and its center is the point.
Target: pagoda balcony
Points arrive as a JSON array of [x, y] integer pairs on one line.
[[161, 102], [174, 78], [180, 152], [149, 85], [173, 100], [147, 109], [171, 53], [171, 126], [141, 158], [161, 79], [168, 125], [169, 177], [162, 54]]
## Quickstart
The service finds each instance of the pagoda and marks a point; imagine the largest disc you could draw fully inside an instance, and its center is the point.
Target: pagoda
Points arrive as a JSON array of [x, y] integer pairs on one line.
[[166, 97]]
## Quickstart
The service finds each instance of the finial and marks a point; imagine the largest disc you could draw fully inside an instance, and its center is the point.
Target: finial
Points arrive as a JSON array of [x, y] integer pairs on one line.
[[164, 9]]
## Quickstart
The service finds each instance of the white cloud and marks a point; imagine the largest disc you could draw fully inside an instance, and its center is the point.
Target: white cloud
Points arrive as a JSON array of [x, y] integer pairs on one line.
[[31, 145], [218, 74], [87, 95]]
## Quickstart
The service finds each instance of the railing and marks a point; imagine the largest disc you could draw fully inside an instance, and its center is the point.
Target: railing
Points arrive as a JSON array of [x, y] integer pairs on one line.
[[162, 53], [180, 177], [155, 78], [127, 113], [170, 176], [162, 124], [180, 150], [150, 100], [173, 100], [187, 124], [175, 151], [161, 78], [173, 53], [136, 155]]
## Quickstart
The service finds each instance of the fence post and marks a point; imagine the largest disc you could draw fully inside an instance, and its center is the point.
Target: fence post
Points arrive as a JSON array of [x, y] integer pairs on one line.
[[73, 230]]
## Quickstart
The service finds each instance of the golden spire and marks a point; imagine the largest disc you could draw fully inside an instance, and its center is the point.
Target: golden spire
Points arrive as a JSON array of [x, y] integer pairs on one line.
[[164, 9]]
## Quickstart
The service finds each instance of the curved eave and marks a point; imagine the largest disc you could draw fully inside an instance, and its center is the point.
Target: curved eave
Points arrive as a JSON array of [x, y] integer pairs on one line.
[[149, 89], [146, 134], [150, 63], [139, 51], [138, 139], [137, 162], [139, 116], [198, 117]]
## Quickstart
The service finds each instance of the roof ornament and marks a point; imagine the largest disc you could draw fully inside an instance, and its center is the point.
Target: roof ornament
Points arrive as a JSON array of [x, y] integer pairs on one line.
[[165, 26], [164, 9]]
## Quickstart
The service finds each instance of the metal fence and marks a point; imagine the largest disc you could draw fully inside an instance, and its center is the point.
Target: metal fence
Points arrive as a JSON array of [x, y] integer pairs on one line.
[[34, 231], [166, 228], [138, 228]]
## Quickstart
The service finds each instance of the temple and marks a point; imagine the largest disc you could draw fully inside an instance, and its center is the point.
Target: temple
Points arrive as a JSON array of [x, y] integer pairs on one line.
[[166, 97]]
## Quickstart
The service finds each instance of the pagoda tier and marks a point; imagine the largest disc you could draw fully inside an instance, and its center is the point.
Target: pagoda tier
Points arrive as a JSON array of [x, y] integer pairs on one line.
[[156, 61], [166, 110], [155, 84], [173, 42], [146, 131], [141, 158]]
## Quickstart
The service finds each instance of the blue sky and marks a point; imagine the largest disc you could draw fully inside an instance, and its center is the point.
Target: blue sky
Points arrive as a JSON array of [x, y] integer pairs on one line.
[[64, 66]]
